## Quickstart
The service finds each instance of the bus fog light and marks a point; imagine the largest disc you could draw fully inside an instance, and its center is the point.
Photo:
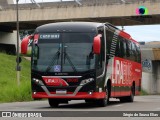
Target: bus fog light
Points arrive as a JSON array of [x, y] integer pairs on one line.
[[37, 81], [90, 92]]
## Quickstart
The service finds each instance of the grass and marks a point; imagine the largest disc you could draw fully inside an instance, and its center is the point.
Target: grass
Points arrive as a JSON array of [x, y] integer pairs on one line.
[[9, 90], [143, 92]]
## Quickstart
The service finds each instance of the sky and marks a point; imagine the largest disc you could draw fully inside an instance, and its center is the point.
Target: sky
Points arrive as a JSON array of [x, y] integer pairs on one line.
[[140, 33], [144, 32]]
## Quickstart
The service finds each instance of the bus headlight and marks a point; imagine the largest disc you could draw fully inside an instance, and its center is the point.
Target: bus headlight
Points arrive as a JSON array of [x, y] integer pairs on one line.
[[38, 81], [83, 82]]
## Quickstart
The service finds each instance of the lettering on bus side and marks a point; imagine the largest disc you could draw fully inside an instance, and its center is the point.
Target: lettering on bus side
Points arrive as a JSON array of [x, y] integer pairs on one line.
[[122, 72]]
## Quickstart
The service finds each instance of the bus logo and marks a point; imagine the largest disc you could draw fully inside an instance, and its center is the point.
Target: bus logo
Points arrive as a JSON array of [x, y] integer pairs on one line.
[[50, 81], [57, 68]]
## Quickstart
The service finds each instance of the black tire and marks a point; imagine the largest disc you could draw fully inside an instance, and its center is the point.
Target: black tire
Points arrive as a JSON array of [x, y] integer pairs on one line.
[[89, 100], [103, 102], [131, 97], [53, 103], [123, 99]]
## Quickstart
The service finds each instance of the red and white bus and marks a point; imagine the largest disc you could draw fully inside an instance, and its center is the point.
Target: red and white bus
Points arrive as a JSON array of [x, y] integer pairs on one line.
[[83, 60]]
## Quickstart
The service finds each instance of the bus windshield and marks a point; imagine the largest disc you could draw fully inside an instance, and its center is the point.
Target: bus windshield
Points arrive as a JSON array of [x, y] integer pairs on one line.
[[63, 52]]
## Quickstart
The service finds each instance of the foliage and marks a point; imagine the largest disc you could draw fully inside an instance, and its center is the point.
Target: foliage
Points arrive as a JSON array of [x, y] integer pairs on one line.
[[10, 91]]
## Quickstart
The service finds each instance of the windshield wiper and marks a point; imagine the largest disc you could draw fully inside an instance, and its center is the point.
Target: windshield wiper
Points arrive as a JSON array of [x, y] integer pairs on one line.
[[55, 57], [69, 60], [89, 57]]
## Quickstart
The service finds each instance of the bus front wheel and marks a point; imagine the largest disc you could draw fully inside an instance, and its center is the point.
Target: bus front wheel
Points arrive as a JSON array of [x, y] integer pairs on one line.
[[103, 102], [89, 100], [53, 103]]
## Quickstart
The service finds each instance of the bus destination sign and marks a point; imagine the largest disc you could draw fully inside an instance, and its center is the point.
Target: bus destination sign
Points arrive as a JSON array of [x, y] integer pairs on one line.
[[50, 36]]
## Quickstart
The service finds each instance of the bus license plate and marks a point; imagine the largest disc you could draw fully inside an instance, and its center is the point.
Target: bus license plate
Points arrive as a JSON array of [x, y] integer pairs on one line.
[[61, 91]]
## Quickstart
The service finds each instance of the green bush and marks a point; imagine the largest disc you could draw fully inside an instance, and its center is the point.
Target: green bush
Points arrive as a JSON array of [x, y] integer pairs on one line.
[[143, 92], [10, 91]]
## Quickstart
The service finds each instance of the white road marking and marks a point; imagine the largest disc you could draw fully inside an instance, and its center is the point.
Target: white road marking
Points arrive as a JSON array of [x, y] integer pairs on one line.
[[117, 105]]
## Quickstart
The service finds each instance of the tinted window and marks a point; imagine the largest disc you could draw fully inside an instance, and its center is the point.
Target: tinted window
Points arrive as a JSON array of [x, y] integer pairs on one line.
[[109, 37], [69, 52], [129, 50], [127, 43], [138, 54], [134, 50], [118, 54], [122, 47]]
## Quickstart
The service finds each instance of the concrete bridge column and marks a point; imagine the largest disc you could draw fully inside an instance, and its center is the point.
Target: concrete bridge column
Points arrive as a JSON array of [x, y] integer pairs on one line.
[[158, 77], [151, 78], [8, 42]]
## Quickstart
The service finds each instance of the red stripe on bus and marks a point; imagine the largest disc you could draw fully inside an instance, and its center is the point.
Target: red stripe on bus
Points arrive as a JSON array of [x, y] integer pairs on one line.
[[125, 35], [79, 95], [123, 93], [120, 93]]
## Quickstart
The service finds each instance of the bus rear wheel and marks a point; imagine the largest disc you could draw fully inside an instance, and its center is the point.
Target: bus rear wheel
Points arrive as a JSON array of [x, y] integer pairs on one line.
[[53, 103], [131, 97]]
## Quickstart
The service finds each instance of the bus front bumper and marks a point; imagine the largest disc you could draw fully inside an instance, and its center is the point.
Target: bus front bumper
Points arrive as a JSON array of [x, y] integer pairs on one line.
[[70, 95]]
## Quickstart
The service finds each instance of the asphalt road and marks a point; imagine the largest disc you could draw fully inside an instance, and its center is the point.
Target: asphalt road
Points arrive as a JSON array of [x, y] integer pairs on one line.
[[141, 103]]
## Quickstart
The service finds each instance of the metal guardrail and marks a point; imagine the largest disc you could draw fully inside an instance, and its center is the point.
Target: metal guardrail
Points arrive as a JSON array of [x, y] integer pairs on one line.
[[73, 3]]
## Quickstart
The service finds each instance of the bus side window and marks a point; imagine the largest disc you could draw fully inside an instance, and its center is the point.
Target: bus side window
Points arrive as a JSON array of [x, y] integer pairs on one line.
[[122, 47], [35, 53], [131, 50], [134, 52], [109, 37], [127, 49], [117, 52], [138, 54]]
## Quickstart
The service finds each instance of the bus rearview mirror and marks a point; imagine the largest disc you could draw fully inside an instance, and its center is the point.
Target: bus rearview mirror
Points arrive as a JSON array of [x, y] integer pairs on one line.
[[97, 44], [25, 43]]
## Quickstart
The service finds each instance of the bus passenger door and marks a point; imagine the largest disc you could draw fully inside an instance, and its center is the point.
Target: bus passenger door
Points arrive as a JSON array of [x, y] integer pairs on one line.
[[100, 63]]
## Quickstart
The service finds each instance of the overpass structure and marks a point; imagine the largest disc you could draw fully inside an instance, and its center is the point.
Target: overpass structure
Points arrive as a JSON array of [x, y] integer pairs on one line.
[[113, 11], [4, 2]]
